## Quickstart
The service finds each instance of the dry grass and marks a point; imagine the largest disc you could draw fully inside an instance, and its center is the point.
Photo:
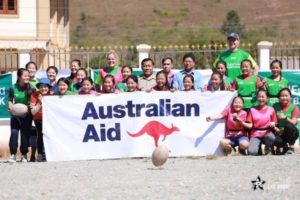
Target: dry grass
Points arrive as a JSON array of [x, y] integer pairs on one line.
[[120, 22]]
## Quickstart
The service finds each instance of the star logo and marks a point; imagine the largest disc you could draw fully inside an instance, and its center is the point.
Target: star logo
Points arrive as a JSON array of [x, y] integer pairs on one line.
[[258, 183]]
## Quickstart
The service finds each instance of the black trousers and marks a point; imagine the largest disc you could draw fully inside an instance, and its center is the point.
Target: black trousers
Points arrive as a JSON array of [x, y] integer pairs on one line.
[[289, 136], [23, 125], [40, 141]]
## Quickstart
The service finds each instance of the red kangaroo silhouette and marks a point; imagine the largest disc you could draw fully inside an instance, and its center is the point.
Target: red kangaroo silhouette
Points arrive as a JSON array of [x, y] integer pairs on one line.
[[155, 129]]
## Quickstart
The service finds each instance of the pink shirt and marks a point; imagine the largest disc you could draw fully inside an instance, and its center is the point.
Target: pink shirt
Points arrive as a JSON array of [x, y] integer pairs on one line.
[[261, 118], [234, 129], [82, 92]]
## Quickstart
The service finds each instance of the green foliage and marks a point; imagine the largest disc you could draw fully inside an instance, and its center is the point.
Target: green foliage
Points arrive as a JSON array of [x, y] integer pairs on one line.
[[232, 23]]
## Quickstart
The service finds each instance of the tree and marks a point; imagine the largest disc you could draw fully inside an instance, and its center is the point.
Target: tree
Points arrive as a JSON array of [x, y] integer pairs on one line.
[[232, 23]]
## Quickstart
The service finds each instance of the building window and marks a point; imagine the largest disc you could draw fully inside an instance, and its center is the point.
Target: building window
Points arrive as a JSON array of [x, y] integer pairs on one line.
[[8, 6]]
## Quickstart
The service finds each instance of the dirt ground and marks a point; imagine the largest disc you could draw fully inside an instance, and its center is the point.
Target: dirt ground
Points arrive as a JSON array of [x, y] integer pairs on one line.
[[180, 178]]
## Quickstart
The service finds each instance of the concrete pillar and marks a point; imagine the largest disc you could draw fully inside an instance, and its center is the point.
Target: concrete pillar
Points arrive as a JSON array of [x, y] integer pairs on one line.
[[143, 50], [264, 55], [24, 58]]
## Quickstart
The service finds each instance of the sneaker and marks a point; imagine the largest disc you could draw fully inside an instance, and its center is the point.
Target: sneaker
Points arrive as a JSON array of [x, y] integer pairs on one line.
[[290, 151], [39, 158], [23, 158], [12, 158], [242, 152], [268, 151], [228, 152]]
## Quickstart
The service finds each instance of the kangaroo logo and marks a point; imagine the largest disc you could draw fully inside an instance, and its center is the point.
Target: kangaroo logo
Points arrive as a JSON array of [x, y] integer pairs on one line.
[[155, 129]]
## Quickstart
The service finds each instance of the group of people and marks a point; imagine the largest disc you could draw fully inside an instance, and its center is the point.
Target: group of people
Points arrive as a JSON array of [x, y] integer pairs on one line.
[[250, 115]]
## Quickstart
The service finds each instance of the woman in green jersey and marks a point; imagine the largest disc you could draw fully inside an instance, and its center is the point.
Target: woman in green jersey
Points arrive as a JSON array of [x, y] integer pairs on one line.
[[275, 82]]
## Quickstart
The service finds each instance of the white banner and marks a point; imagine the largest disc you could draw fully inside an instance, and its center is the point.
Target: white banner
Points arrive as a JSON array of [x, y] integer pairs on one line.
[[83, 127]]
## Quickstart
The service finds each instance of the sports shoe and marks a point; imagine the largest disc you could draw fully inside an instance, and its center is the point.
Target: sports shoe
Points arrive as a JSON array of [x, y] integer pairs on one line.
[[228, 151], [267, 151], [290, 151], [12, 158], [40, 158], [242, 152], [23, 158]]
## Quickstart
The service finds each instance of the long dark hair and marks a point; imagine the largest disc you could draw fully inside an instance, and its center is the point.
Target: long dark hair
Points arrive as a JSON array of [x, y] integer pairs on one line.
[[280, 65], [223, 63], [222, 85], [28, 90], [166, 86], [192, 79]]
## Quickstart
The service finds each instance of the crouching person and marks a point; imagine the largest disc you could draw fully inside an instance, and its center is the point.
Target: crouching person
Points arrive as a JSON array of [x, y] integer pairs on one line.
[[287, 114], [235, 134], [261, 120]]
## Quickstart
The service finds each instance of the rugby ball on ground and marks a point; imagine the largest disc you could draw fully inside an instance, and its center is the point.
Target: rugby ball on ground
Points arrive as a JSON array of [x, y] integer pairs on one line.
[[160, 155], [19, 109]]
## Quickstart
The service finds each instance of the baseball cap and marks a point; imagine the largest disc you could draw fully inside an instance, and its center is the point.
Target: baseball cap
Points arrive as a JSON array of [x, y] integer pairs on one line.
[[44, 81], [233, 35]]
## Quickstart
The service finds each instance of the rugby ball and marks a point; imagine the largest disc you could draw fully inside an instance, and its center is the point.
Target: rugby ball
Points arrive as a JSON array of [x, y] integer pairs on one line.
[[160, 155], [19, 109]]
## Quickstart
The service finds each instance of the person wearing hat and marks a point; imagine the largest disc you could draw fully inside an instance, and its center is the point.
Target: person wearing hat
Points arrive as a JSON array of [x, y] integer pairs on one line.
[[189, 63], [234, 56], [44, 89]]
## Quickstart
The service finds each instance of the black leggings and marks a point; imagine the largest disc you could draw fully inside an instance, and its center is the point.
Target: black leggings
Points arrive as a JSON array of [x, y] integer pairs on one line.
[[40, 141], [289, 136], [24, 125]]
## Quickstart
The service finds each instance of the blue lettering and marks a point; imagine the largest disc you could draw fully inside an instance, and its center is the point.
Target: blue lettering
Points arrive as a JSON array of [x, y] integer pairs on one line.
[[119, 111], [152, 111], [116, 130], [89, 111], [90, 134], [108, 114], [178, 110], [189, 108]]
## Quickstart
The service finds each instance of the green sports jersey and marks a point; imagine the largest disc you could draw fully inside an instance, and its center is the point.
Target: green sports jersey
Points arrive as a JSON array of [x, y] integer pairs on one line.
[[233, 61], [228, 81], [273, 88], [247, 89], [74, 87], [288, 113], [20, 96], [33, 83]]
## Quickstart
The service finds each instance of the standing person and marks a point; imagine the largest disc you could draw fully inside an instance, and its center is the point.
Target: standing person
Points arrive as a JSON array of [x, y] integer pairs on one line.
[[80, 75], [287, 114], [87, 86], [109, 85], [147, 80], [161, 82], [261, 120], [216, 82], [63, 86], [44, 87], [275, 82], [52, 72], [247, 84], [126, 72], [112, 68], [221, 68], [167, 65], [32, 68], [234, 56], [75, 65], [20, 93], [132, 84], [189, 63], [235, 133]]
